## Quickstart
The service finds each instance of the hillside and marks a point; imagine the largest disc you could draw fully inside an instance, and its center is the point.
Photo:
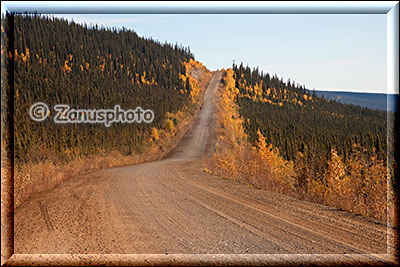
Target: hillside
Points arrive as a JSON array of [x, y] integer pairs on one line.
[[369, 100], [57, 62], [229, 162], [293, 119], [280, 137], [61, 62]]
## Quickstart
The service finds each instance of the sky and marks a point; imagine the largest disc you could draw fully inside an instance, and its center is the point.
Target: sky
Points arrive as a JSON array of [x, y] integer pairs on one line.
[[326, 52], [340, 52]]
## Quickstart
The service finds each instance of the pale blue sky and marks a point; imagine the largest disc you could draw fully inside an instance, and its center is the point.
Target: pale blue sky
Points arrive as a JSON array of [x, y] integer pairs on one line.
[[344, 52], [325, 52]]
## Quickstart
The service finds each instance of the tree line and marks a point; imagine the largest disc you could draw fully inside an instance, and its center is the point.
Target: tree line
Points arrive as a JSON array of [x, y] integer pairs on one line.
[[295, 120], [90, 67]]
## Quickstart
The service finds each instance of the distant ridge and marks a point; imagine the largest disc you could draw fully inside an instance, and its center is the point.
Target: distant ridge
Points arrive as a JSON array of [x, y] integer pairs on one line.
[[369, 100]]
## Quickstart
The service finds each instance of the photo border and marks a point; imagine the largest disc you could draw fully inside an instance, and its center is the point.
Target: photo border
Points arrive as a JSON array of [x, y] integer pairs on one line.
[[391, 9]]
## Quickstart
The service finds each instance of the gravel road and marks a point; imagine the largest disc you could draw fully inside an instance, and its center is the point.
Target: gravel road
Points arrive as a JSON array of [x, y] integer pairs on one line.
[[172, 207]]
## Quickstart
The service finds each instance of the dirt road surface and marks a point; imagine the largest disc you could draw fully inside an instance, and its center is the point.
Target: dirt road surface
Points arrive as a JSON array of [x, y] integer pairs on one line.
[[172, 207]]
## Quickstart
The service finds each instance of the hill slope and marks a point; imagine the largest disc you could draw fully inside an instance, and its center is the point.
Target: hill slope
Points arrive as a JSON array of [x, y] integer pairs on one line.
[[58, 62], [279, 137], [293, 119], [370, 100], [87, 68]]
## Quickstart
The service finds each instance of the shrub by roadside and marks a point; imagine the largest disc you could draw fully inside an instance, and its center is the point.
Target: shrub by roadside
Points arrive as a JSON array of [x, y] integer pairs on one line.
[[358, 185]]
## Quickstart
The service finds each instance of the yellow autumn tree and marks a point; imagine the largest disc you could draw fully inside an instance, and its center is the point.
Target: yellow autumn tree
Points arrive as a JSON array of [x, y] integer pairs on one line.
[[66, 68], [337, 180], [154, 134], [169, 125], [194, 72], [357, 184], [367, 185], [234, 157], [231, 138], [281, 172]]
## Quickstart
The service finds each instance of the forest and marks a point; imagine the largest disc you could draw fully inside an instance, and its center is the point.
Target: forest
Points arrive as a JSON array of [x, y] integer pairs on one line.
[[281, 137], [293, 119], [61, 62], [271, 134]]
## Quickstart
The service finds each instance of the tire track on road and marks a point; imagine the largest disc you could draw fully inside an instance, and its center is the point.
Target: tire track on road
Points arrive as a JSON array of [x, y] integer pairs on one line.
[[45, 215], [363, 249]]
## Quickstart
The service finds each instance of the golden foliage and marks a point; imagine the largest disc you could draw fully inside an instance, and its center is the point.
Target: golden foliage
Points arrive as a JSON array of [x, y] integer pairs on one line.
[[194, 71], [357, 185], [169, 125], [234, 157], [154, 134], [66, 68]]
